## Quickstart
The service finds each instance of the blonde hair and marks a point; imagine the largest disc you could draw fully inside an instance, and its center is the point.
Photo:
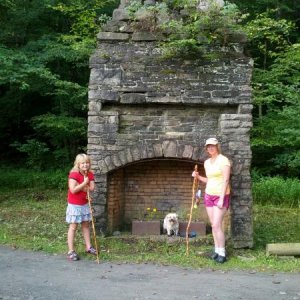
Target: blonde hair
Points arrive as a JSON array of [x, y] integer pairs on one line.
[[81, 158]]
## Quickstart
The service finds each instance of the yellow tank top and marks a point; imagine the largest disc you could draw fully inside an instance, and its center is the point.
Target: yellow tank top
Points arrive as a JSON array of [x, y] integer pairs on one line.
[[214, 175]]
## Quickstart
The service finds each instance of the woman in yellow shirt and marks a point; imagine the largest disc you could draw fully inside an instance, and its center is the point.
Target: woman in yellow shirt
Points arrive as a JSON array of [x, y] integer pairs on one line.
[[217, 194]]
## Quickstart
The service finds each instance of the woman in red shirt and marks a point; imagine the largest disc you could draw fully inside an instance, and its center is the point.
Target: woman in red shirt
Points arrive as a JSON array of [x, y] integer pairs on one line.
[[81, 179]]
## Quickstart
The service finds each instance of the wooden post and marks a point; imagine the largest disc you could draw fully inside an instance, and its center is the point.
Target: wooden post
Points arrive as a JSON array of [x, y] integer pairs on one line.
[[283, 249], [195, 182]]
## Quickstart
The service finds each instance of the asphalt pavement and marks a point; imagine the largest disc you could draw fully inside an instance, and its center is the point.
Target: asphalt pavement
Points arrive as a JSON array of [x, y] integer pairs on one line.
[[37, 275]]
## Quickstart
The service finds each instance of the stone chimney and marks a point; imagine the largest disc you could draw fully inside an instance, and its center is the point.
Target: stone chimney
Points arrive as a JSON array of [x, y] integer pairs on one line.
[[148, 120]]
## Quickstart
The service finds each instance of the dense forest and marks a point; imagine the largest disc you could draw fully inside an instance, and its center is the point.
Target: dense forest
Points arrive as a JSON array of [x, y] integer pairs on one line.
[[44, 51]]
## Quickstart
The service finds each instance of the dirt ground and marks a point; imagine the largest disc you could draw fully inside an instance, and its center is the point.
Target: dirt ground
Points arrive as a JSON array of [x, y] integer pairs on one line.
[[36, 275]]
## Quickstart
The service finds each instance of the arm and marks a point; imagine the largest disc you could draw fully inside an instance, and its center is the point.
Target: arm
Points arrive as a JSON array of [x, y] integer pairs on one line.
[[200, 178], [75, 187], [92, 186], [226, 176]]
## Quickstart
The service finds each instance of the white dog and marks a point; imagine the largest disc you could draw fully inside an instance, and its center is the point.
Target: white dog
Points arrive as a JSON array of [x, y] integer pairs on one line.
[[171, 223]]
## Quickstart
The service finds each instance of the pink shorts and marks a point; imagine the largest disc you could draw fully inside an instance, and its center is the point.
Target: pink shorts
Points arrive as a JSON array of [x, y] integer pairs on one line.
[[210, 201]]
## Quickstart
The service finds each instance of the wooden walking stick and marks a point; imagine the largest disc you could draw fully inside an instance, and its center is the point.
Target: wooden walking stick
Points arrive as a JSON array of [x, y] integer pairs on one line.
[[93, 224], [195, 183]]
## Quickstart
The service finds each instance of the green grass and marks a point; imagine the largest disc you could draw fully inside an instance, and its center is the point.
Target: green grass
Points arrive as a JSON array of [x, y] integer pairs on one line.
[[277, 191], [12, 177], [35, 219]]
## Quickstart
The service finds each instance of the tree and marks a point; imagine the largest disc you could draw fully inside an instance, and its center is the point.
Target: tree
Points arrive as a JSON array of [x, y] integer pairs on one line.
[[275, 138], [267, 38], [44, 51], [283, 9]]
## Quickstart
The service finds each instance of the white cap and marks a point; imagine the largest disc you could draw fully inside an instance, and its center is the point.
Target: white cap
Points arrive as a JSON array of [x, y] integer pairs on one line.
[[211, 141]]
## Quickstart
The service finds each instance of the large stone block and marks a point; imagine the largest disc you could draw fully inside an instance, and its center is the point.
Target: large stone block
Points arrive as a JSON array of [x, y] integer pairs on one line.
[[198, 227], [144, 36], [121, 15], [145, 227], [132, 98], [169, 149]]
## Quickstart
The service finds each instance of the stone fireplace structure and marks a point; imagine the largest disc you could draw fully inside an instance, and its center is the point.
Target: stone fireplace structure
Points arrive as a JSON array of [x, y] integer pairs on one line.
[[148, 120]]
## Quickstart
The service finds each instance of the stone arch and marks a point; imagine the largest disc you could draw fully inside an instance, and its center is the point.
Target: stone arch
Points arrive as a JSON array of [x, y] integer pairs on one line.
[[165, 149]]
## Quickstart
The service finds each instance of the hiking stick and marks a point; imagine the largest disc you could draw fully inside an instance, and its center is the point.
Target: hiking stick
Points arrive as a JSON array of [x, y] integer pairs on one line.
[[191, 212], [93, 224]]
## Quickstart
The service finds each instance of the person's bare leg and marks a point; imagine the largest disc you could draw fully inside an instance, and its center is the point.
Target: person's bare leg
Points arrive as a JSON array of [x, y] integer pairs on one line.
[[71, 236], [85, 226], [210, 213], [217, 229]]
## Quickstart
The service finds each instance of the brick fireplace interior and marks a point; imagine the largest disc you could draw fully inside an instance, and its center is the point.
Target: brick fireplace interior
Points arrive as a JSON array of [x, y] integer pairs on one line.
[[163, 184]]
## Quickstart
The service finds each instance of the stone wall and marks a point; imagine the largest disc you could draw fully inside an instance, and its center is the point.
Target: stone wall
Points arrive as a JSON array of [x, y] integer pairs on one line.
[[143, 108]]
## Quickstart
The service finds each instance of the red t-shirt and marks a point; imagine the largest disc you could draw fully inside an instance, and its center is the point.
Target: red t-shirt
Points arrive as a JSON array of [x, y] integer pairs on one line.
[[79, 198]]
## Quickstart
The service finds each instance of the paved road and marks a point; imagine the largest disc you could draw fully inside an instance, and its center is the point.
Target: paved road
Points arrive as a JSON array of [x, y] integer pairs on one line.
[[36, 275]]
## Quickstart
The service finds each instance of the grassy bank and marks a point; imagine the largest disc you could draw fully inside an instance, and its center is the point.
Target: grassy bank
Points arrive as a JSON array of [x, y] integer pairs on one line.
[[276, 191], [34, 219]]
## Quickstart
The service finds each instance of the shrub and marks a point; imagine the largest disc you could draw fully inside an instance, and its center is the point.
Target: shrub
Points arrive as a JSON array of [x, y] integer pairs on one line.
[[28, 178], [187, 30], [277, 191]]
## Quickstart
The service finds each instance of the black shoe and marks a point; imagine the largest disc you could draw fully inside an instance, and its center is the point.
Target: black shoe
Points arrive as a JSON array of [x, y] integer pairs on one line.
[[214, 255], [220, 259]]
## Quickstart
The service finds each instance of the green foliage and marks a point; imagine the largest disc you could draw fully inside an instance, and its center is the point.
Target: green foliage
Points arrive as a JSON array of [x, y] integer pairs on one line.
[[277, 191], [185, 49], [275, 225], [44, 51], [189, 30], [64, 132], [22, 21], [286, 9], [30, 178], [36, 153], [150, 214], [275, 137], [18, 69], [85, 17], [190, 33], [268, 37], [147, 17], [133, 7], [45, 46], [275, 142]]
